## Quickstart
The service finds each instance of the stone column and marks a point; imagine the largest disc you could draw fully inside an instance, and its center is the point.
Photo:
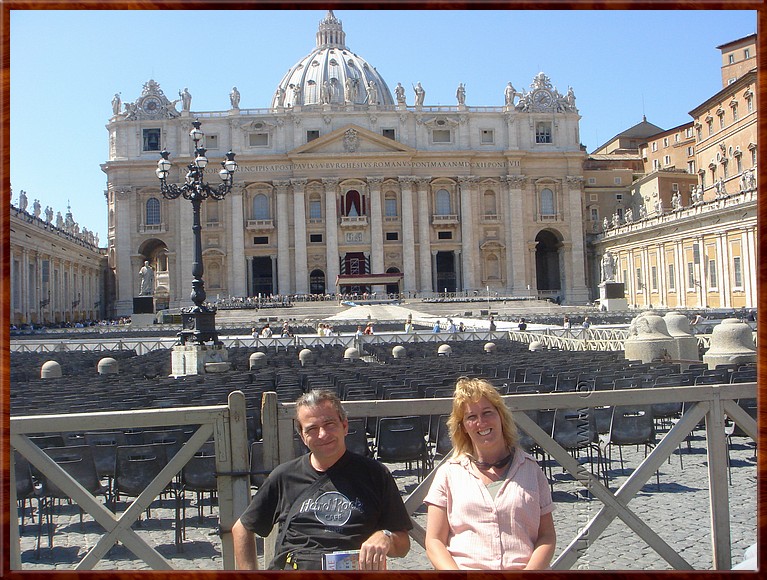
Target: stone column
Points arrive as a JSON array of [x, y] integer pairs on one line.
[[238, 282], [531, 267], [299, 231], [662, 288], [331, 235], [517, 279], [376, 226], [470, 257], [459, 286], [275, 268], [681, 273], [283, 237], [408, 234], [26, 290], [566, 285], [748, 266], [433, 269], [700, 271], [124, 220], [578, 292], [725, 288], [424, 236]]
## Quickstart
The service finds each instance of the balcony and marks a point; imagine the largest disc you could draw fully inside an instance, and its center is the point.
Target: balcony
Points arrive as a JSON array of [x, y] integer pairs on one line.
[[260, 225], [444, 220], [549, 217], [356, 221], [152, 228], [491, 218]]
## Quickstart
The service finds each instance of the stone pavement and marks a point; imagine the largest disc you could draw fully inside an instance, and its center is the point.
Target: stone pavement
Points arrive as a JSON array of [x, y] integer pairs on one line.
[[678, 513]]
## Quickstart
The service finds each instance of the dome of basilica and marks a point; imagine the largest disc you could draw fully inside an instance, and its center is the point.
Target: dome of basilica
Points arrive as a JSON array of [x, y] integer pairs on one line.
[[332, 74]]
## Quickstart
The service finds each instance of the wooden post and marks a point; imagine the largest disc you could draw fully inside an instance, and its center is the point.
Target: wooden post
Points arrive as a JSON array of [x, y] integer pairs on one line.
[[271, 456], [232, 456], [716, 447]]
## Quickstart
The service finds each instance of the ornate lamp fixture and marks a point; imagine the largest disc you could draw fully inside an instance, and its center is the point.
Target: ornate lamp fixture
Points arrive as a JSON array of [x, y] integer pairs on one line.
[[199, 321]]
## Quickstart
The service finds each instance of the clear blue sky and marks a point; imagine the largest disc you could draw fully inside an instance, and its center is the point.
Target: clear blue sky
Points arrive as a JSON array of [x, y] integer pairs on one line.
[[67, 65]]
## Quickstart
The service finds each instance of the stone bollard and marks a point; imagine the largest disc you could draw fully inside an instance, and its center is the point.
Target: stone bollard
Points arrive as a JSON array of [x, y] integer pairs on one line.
[[489, 347], [351, 354], [50, 370], [732, 342], [536, 345], [444, 350], [306, 357], [648, 339], [685, 344], [399, 352], [257, 360], [108, 366]]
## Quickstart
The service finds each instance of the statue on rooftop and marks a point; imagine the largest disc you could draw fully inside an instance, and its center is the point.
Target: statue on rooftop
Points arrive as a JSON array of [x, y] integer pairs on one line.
[[234, 98]]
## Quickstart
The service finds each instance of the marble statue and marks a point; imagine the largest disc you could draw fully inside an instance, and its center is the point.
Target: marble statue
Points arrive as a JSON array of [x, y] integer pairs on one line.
[[186, 99], [116, 103], [460, 94], [325, 94], [605, 224], [608, 267], [234, 98], [23, 201], [399, 92], [36, 208], [420, 94], [296, 95], [350, 89], [48, 214], [372, 93], [146, 277], [508, 94], [629, 215], [676, 201], [280, 96], [59, 220]]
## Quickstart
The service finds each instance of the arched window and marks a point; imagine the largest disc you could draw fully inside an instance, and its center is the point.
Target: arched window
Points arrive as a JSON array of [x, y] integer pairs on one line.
[[153, 211], [443, 202], [260, 207], [489, 203], [547, 202]]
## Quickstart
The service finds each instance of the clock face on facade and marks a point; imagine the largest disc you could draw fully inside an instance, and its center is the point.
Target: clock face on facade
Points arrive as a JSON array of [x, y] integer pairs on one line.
[[542, 98], [151, 104]]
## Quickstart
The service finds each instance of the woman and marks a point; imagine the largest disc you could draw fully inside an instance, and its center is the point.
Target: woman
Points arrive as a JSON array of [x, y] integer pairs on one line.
[[489, 506]]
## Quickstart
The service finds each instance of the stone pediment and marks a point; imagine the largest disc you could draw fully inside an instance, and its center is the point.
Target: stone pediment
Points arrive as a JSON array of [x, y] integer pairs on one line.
[[350, 140]]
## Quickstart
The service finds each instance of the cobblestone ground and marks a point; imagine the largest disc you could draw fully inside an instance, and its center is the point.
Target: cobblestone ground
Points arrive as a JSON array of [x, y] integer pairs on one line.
[[678, 512]]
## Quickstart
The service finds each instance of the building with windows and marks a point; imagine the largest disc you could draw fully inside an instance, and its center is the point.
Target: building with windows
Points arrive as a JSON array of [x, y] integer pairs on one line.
[[338, 176], [57, 272], [694, 242]]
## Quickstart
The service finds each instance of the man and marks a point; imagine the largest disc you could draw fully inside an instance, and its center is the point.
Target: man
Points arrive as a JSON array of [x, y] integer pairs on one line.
[[451, 328], [492, 324], [522, 325], [332, 499]]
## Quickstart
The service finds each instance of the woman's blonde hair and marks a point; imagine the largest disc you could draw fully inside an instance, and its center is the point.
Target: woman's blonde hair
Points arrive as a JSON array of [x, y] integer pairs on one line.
[[470, 391]]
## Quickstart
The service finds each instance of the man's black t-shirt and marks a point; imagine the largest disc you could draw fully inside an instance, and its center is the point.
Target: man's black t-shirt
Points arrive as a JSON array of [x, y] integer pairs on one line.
[[360, 497]]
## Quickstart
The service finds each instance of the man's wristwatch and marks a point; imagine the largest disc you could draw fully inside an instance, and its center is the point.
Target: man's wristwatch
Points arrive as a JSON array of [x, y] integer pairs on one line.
[[388, 534]]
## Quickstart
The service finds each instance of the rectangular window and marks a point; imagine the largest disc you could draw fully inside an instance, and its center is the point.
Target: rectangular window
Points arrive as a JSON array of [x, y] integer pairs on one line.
[[593, 197], [721, 121], [690, 276], [731, 59], [654, 277], [674, 187], [261, 240], [735, 113], [750, 104], [487, 136], [594, 214], [315, 238], [618, 196], [690, 151], [639, 278], [655, 164], [688, 133], [712, 274], [747, 53], [696, 253], [671, 279], [315, 210], [312, 134], [665, 141], [753, 157], [592, 180], [691, 167], [151, 139], [258, 139], [737, 272], [441, 136], [388, 133], [676, 138], [211, 141], [444, 235], [654, 146], [390, 209], [739, 161], [617, 180], [392, 236], [543, 132], [667, 160]]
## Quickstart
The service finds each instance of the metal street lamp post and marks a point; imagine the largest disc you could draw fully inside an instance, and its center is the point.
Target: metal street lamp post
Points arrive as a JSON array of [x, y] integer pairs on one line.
[[199, 321]]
